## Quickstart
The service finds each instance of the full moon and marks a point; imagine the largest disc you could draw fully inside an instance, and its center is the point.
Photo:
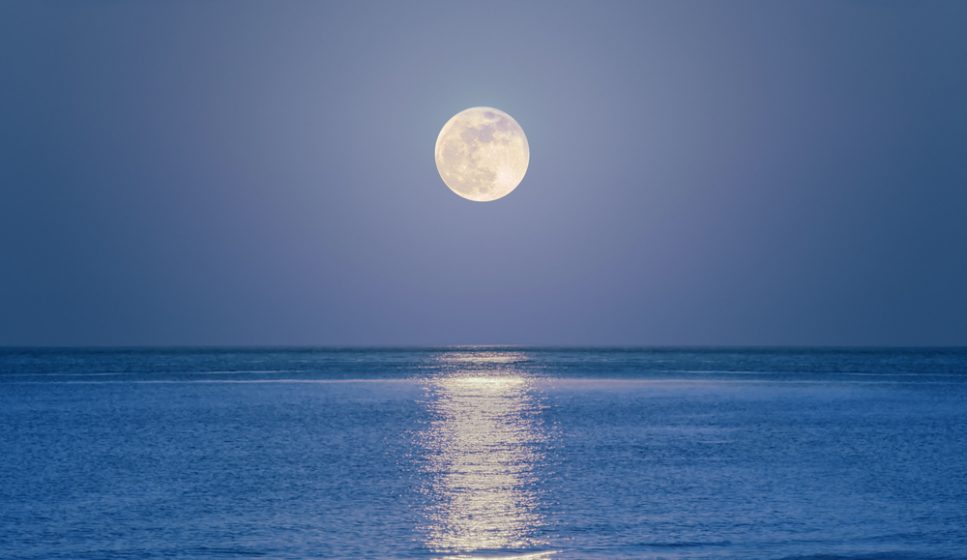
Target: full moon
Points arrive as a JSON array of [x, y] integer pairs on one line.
[[482, 154]]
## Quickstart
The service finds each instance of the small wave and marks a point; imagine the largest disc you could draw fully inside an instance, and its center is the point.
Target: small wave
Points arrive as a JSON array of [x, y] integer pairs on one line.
[[894, 555], [683, 544], [501, 555]]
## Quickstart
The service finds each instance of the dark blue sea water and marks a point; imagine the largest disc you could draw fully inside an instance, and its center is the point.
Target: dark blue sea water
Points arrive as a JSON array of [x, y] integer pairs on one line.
[[483, 452]]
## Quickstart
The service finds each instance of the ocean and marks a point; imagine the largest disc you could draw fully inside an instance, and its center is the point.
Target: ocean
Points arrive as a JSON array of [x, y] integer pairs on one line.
[[483, 452]]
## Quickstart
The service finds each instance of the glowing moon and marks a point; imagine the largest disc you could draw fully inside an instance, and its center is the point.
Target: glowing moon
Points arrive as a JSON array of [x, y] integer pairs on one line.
[[482, 154]]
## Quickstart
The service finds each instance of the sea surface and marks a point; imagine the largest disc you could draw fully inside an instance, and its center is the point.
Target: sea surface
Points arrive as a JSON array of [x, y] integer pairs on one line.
[[477, 452]]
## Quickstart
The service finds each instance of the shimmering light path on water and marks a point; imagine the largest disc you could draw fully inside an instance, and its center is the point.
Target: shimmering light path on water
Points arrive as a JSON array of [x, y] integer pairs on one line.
[[484, 456], [483, 452]]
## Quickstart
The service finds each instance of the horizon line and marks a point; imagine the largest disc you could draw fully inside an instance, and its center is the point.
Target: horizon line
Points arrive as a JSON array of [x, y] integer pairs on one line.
[[484, 347]]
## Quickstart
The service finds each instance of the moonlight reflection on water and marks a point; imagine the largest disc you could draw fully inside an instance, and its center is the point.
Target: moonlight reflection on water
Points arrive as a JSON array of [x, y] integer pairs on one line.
[[484, 450]]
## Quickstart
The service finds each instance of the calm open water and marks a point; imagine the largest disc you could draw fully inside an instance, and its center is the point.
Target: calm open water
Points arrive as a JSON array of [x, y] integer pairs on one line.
[[483, 452]]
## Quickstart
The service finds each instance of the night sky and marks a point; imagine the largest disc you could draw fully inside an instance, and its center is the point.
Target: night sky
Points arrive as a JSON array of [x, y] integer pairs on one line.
[[702, 173]]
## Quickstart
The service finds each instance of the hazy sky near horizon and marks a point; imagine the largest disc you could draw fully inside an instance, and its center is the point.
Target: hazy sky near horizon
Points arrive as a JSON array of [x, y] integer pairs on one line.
[[220, 173]]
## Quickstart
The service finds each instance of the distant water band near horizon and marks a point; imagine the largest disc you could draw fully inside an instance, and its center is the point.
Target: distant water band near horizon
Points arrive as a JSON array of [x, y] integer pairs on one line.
[[483, 452]]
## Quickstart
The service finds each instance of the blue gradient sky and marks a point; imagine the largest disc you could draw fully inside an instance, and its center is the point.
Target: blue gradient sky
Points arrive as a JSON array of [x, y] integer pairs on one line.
[[701, 173]]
